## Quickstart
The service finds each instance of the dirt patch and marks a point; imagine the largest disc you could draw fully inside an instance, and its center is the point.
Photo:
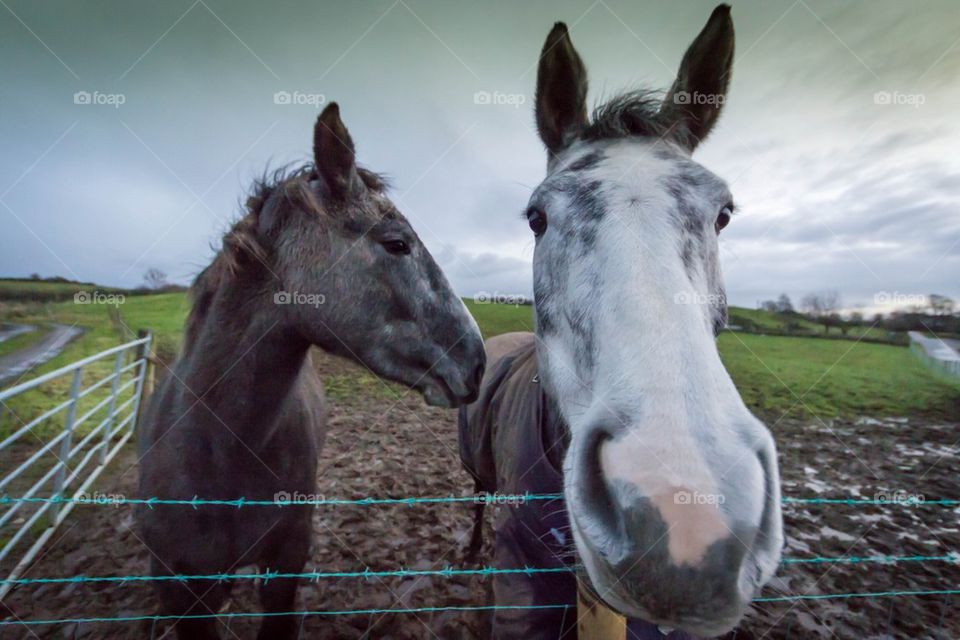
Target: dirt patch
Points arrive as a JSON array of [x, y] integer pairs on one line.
[[897, 460], [384, 442]]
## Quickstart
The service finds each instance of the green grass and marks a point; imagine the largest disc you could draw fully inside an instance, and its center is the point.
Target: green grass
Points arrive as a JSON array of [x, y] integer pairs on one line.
[[804, 376], [495, 319], [163, 314], [769, 321], [878, 333], [38, 290], [831, 377], [23, 340], [39, 287], [760, 321], [104, 326]]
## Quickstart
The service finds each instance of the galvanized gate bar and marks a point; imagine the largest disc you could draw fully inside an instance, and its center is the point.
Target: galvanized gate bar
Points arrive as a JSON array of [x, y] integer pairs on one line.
[[29, 384], [68, 431]]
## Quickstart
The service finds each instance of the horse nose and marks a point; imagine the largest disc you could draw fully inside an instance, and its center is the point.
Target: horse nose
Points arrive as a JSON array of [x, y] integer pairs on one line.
[[660, 504], [662, 537]]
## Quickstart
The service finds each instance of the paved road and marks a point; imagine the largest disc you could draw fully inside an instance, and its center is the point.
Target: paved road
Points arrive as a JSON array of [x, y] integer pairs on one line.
[[14, 365], [8, 331]]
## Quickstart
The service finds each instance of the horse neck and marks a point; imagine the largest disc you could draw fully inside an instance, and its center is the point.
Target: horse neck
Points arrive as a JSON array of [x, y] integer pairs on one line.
[[242, 364]]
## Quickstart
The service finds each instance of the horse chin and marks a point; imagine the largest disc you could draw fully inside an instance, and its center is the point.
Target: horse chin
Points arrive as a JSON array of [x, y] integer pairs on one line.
[[436, 395], [444, 390], [611, 588]]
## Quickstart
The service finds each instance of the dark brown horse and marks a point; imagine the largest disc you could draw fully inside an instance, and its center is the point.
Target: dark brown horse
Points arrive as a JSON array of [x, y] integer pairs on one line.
[[621, 401], [322, 257]]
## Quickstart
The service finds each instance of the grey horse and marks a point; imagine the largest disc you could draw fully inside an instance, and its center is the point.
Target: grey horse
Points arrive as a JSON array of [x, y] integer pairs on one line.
[[322, 257]]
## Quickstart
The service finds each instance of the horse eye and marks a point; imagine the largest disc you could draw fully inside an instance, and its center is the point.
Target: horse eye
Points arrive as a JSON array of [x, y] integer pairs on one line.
[[537, 220], [396, 247], [723, 218]]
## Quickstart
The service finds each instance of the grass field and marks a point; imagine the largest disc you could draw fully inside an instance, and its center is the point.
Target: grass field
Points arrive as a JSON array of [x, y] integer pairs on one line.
[[495, 319], [765, 321], [827, 378], [45, 291], [802, 376], [22, 341], [104, 326]]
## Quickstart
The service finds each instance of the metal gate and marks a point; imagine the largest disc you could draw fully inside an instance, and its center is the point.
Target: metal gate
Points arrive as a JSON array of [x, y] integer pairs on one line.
[[114, 399]]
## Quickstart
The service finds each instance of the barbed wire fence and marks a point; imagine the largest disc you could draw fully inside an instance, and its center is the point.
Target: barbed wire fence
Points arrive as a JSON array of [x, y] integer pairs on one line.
[[285, 502], [114, 394]]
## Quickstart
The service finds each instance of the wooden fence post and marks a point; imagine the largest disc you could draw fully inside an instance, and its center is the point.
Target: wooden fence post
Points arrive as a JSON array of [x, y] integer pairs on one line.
[[597, 622], [145, 388]]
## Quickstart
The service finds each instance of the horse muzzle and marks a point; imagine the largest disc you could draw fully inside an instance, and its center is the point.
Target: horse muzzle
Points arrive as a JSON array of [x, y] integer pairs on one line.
[[455, 379], [663, 541]]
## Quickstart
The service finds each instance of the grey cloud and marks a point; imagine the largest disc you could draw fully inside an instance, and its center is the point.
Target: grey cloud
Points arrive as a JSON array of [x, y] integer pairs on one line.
[[827, 179]]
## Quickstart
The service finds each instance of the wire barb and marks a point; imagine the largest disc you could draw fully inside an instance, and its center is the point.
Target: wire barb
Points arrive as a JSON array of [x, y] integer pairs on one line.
[[345, 612], [196, 501]]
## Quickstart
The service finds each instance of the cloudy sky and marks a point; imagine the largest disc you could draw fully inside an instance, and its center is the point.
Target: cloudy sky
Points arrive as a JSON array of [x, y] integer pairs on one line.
[[839, 136]]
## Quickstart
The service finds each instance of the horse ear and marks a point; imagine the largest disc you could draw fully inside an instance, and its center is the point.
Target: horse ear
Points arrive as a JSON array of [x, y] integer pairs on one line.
[[697, 96], [334, 154], [561, 90]]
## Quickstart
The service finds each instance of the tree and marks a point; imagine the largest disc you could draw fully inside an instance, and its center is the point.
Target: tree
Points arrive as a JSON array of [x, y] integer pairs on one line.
[[769, 305], [940, 305], [811, 305], [784, 305], [856, 318], [823, 307], [837, 321], [154, 278], [831, 300]]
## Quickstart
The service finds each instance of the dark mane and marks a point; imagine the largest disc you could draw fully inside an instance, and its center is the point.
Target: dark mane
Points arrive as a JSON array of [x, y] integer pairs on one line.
[[265, 186], [268, 183], [634, 113], [241, 243]]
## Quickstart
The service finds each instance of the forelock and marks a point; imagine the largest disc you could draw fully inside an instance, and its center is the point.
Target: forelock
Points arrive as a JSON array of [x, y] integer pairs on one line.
[[634, 113]]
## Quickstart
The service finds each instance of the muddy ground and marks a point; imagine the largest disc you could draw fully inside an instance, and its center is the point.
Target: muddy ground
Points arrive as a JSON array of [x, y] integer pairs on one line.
[[380, 444]]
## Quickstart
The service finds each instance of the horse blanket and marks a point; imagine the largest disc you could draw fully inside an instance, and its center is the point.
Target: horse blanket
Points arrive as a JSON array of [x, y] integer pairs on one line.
[[513, 439]]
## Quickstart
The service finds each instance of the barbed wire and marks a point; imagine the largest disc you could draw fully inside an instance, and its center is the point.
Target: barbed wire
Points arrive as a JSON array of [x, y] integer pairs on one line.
[[369, 574], [344, 612], [196, 501], [284, 500]]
